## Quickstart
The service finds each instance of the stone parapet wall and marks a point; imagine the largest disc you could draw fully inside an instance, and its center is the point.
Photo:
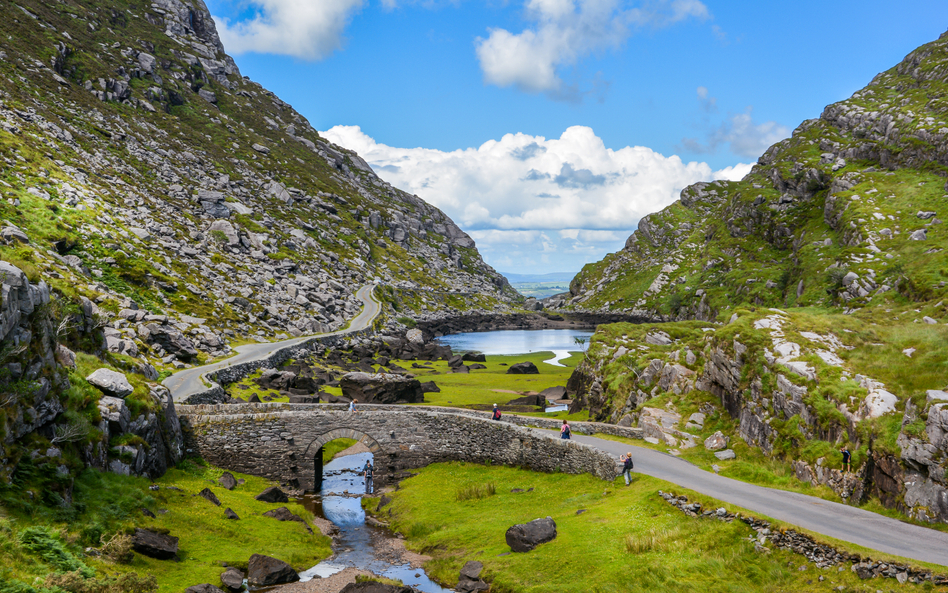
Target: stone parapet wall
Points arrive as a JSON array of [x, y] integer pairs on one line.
[[281, 441]]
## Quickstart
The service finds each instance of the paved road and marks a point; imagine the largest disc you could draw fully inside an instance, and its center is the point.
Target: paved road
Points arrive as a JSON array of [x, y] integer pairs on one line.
[[814, 514], [188, 382]]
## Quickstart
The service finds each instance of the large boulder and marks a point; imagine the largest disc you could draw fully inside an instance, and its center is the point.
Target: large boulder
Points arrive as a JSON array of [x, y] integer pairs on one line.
[[528, 400], [272, 494], [381, 388], [524, 537], [155, 545], [474, 357], [110, 382], [554, 393], [523, 368], [264, 571]]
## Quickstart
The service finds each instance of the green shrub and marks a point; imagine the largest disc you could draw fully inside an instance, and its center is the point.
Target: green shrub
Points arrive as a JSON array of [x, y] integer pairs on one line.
[[74, 582], [476, 491], [42, 541]]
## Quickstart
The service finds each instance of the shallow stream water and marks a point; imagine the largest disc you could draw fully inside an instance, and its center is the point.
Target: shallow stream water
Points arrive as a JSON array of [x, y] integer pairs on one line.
[[340, 501]]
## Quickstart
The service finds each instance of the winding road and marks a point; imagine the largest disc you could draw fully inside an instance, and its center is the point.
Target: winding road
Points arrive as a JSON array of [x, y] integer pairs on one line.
[[832, 519], [828, 518], [190, 381]]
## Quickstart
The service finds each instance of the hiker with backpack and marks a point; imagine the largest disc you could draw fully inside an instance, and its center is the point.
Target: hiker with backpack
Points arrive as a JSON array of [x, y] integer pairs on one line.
[[627, 467], [565, 430], [496, 414], [847, 459], [367, 472]]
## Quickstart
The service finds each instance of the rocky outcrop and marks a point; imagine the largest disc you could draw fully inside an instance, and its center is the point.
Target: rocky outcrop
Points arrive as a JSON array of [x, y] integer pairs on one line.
[[381, 388]]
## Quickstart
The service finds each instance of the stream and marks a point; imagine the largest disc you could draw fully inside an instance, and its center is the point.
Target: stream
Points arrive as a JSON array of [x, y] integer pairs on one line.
[[356, 545]]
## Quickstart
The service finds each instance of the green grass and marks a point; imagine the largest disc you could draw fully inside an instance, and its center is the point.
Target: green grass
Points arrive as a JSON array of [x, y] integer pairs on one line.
[[627, 539], [107, 503], [332, 448], [485, 387]]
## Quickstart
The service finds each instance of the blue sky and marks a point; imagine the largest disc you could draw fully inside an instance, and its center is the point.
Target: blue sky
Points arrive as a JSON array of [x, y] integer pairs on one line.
[[547, 128]]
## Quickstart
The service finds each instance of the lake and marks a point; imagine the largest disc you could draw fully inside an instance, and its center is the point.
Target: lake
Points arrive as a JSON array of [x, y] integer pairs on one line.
[[518, 341]]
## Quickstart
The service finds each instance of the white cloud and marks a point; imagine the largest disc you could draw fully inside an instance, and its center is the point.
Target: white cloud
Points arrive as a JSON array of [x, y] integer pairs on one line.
[[524, 195], [304, 29], [565, 31], [743, 136]]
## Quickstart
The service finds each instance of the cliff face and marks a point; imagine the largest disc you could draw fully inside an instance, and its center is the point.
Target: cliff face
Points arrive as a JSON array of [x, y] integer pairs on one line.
[[810, 298], [848, 211]]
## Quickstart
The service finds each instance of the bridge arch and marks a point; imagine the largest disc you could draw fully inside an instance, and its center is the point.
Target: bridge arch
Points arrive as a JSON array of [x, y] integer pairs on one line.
[[315, 449]]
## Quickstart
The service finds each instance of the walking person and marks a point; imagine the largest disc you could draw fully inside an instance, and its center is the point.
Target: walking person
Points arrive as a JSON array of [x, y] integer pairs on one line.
[[367, 472], [627, 467], [352, 405], [496, 414], [847, 459], [565, 430]]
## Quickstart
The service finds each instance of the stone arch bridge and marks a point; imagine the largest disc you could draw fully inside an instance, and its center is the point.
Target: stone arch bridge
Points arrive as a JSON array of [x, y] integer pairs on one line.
[[283, 442]]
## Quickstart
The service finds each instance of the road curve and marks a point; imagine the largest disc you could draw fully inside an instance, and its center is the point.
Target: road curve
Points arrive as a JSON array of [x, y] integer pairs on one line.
[[832, 519], [189, 381]]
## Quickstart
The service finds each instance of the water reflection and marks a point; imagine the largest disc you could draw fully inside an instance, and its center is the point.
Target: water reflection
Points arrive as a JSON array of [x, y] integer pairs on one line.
[[517, 341], [356, 546]]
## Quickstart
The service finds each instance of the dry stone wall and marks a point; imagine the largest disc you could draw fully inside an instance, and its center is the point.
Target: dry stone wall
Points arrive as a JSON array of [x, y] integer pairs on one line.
[[281, 441]]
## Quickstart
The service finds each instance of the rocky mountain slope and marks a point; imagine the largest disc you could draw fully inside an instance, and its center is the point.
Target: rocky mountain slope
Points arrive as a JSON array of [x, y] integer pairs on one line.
[[156, 207], [816, 289], [140, 170]]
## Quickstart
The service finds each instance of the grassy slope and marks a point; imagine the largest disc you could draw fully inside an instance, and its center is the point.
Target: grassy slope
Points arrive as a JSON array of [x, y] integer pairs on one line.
[[108, 503], [628, 539]]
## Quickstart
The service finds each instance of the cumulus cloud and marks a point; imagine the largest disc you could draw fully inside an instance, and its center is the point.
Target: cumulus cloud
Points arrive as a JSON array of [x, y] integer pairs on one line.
[[524, 197], [299, 28], [565, 31]]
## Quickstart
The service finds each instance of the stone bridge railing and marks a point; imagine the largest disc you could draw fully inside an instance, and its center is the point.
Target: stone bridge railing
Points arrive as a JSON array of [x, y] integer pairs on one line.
[[282, 441]]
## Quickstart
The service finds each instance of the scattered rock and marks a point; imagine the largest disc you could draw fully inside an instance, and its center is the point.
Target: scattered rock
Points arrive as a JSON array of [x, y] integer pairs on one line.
[[110, 382], [284, 514], [528, 400], [230, 514], [227, 480], [929, 320], [716, 442], [155, 545], [272, 494], [233, 579], [726, 454], [206, 493], [264, 571], [430, 387], [523, 368], [204, 588], [524, 537], [381, 388], [470, 581], [375, 587], [658, 338], [919, 235]]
